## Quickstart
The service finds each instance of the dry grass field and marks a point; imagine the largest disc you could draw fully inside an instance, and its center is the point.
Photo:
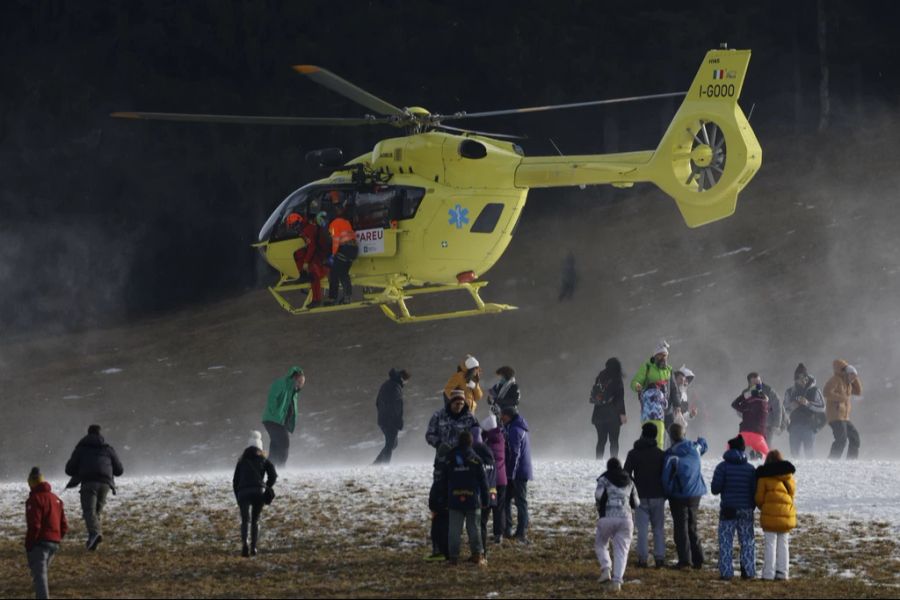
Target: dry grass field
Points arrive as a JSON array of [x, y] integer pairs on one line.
[[363, 533]]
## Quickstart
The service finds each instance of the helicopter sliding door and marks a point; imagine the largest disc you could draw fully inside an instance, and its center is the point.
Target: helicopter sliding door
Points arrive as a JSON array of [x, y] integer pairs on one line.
[[377, 216]]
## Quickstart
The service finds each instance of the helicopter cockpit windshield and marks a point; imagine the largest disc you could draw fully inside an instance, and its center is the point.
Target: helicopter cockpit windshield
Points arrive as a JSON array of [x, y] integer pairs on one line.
[[370, 207], [297, 201]]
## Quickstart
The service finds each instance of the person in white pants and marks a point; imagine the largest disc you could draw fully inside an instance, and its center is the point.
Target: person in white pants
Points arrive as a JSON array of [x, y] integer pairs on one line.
[[616, 498], [775, 491]]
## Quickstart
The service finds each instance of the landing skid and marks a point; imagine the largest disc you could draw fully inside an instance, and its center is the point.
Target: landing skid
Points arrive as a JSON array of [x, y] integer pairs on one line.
[[391, 295]]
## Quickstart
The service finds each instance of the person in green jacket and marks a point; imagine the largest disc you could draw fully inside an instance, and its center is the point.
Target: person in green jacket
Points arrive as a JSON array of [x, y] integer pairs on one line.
[[655, 371], [280, 416]]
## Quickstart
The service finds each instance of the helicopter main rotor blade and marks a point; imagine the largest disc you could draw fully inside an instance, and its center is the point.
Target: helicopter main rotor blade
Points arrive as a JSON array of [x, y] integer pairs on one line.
[[484, 133], [515, 111], [250, 120], [348, 90]]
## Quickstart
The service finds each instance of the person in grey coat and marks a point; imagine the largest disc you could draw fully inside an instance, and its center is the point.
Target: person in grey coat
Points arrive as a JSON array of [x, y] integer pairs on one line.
[[95, 465], [390, 412]]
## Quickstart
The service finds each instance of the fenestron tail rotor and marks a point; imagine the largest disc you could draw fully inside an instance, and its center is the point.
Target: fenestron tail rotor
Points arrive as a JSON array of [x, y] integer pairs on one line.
[[708, 153]]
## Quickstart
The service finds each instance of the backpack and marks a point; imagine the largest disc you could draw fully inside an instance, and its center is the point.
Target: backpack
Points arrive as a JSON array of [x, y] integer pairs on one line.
[[598, 396]]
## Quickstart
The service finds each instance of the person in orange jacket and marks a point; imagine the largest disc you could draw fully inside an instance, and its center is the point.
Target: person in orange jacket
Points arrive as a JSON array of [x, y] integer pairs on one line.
[[344, 251], [843, 384], [468, 379], [47, 526]]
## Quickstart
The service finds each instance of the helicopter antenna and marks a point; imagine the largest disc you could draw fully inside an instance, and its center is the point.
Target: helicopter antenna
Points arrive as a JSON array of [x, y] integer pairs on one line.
[[555, 146], [749, 116]]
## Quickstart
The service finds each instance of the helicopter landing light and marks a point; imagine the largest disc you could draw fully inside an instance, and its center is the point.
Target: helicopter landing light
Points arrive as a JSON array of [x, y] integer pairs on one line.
[[466, 277]]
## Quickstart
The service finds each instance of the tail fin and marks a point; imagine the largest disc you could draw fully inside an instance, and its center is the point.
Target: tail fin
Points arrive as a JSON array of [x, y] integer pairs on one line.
[[709, 153]]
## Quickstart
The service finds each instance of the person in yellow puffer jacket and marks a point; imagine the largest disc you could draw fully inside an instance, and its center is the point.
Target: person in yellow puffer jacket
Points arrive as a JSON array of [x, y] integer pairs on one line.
[[775, 491], [468, 379], [843, 384]]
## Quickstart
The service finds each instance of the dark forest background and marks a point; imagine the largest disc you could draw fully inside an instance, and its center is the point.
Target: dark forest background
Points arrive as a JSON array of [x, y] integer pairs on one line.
[[103, 220]]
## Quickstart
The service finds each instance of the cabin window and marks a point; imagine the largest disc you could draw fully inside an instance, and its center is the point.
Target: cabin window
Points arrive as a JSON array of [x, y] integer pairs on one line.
[[379, 207], [488, 218]]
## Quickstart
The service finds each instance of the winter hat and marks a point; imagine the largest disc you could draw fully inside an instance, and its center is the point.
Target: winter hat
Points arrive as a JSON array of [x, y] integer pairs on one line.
[[649, 430], [662, 348], [35, 477], [255, 440], [457, 393], [850, 370], [489, 423], [800, 370], [295, 371], [737, 443], [471, 362], [688, 374], [93, 430], [509, 411]]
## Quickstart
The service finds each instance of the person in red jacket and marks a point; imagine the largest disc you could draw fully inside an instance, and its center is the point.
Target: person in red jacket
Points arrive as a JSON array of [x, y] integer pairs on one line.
[[47, 525], [311, 258]]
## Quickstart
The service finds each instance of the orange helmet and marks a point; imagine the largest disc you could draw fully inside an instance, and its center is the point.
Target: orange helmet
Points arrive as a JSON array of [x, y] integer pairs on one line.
[[293, 219]]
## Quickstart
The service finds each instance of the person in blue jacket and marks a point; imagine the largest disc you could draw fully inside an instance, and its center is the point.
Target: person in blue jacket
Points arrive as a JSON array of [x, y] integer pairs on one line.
[[684, 486], [518, 471], [735, 479]]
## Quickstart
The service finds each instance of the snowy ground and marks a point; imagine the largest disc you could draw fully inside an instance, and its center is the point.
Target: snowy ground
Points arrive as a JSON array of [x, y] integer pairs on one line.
[[844, 492], [361, 530]]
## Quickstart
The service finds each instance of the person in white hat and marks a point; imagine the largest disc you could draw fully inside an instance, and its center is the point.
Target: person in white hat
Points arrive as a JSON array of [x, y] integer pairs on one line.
[[252, 491], [468, 379], [683, 378], [656, 372]]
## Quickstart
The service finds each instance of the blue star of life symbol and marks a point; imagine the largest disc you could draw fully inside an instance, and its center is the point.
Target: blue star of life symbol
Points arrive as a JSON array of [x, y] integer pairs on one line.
[[459, 216]]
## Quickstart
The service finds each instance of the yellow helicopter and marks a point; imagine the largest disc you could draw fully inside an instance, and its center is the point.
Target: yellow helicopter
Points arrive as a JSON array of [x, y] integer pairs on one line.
[[435, 209]]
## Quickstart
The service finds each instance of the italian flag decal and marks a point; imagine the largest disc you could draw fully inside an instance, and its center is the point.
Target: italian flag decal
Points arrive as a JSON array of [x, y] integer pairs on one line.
[[719, 74]]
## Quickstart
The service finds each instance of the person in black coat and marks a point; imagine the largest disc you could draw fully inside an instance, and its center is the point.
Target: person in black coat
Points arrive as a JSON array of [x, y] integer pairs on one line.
[[390, 412], [252, 490], [608, 398], [95, 465], [645, 465], [505, 392]]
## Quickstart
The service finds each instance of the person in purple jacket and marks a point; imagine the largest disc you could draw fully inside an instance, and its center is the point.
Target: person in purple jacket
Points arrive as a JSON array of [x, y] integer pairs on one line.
[[492, 436], [518, 471]]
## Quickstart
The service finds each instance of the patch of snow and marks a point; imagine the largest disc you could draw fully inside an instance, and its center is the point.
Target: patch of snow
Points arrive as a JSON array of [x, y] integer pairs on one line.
[[639, 275], [111, 371], [683, 279], [72, 397], [215, 367], [733, 252], [366, 445]]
